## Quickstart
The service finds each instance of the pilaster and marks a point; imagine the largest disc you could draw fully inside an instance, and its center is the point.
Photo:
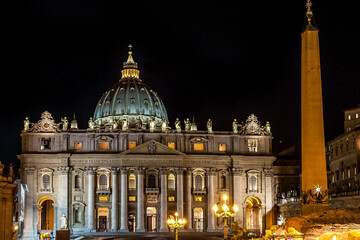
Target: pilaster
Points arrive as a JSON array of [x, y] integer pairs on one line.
[[163, 210]]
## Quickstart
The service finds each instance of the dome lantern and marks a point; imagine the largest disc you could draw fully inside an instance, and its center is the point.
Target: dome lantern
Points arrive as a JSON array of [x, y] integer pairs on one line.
[[130, 68]]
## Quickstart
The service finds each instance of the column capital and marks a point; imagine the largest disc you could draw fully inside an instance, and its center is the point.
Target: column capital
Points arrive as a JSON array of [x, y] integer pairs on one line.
[[211, 171], [140, 170], [163, 171], [90, 170], [268, 172], [180, 171], [237, 171], [63, 170], [189, 171], [123, 170], [114, 171], [30, 170]]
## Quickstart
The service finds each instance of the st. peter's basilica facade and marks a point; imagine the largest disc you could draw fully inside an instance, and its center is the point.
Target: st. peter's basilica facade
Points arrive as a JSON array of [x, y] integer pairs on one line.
[[128, 171]]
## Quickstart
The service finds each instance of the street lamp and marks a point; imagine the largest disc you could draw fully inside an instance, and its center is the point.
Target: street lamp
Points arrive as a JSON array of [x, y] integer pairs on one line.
[[225, 213], [176, 223]]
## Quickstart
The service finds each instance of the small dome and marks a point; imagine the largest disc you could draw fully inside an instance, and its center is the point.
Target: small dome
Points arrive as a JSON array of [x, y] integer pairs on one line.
[[129, 99]]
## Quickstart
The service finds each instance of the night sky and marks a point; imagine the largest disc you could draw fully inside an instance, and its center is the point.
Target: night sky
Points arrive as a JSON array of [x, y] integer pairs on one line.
[[219, 60]]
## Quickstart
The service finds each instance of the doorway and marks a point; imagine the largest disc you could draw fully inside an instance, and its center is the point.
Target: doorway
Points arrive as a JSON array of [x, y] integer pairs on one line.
[[199, 219], [132, 223], [151, 213], [253, 215], [45, 219], [103, 219]]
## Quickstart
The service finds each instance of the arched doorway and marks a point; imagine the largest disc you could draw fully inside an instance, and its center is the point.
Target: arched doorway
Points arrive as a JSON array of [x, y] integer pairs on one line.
[[198, 219], [45, 214], [253, 215], [151, 219]]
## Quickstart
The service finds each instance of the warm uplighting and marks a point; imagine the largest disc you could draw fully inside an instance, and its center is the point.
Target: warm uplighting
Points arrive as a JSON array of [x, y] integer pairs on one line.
[[176, 223], [16, 228], [334, 238], [225, 213]]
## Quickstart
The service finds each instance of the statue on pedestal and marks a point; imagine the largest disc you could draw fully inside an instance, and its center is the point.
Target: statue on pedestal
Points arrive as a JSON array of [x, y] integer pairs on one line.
[[91, 124], [64, 223], [163, 125], [65, 124], [139, 123], [115, 124], [125, 125], [152, 124], [209, 126], [178, 125], [235, 126], [26, 124], [187, 125], [268, 128]]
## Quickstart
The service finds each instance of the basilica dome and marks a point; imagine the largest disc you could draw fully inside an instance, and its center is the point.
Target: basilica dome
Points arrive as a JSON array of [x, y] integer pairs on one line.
[[129, 99]]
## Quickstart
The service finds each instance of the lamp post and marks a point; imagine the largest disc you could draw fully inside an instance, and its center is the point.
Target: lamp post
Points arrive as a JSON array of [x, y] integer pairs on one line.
[[225, 213], [176, 223]]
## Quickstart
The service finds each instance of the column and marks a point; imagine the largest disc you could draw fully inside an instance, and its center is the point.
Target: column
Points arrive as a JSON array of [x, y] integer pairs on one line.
[[114, 199], [268, 211], [124, 198], [180, 191], [140, 227], [163, 209], [90, 172], [211, 199], [237, 191], [63, 188], [29, 225], [189, 198]]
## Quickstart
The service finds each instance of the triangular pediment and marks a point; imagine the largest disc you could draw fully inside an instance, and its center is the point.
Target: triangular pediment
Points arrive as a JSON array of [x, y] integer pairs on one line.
[[152, 147]]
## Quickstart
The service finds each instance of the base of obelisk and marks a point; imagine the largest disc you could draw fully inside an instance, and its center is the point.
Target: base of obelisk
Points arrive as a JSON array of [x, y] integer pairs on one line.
[[62, 234], [312, 208]]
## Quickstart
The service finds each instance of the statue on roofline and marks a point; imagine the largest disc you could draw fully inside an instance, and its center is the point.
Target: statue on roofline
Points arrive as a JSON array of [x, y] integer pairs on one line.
[[187, 125], [209, 126], [235, 126], [65, 124], [152, 124], [163, 125], [178, 125], [26, 124], [91, 124]]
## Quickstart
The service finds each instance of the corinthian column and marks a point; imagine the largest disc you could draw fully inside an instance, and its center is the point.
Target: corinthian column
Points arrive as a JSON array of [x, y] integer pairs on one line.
[[90, 172], [188, 199], [124, 189], [163, 210], [30, 226], [237, 190], [180, 191], [114, 199], [211, 198], [63, 173], [140, 200]]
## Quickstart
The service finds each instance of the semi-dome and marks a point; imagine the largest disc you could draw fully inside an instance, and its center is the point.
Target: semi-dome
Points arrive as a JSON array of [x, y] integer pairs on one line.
[[129, 99]]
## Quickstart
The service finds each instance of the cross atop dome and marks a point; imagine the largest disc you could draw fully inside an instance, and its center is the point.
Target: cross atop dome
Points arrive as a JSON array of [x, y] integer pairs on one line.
[[309, 13]]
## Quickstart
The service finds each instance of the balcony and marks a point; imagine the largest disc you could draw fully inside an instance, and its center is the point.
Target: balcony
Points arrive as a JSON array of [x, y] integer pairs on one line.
[[103, 191], [199, 191], [152, 191]]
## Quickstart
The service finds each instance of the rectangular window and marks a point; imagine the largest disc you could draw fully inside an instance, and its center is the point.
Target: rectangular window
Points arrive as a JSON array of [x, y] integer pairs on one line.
[[132, 145], [252, 145], [45, 143], [132, 198], [357, 115], [78, 145], [198, 199], [222, 147], [198, 147], [103, 145], [171, 199], [102, 199], [171, 145]]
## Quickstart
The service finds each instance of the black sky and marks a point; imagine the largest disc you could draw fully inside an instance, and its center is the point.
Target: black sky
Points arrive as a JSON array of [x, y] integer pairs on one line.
[[219, 60]]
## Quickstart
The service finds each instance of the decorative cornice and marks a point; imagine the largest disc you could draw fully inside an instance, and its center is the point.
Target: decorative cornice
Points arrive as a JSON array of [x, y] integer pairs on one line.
[[237, 171]]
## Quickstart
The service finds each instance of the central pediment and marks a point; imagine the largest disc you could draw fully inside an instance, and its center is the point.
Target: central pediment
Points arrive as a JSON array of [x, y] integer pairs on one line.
[[152, 147]]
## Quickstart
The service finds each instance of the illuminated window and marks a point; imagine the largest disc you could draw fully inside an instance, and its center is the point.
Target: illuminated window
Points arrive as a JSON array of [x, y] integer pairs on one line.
[[198, 147], [46, 181], [171, 145], [171, 181], [45, 143], [252, 145], [103, 199], [132, 145], [348, 172], [349, 117], [198, 199], [103, 181], [103, 138], [252, 183], [222, 147], [103, 145], [357, 115], [198, 182], [132, 198], [78, 145], [132, 181], [171, 199]]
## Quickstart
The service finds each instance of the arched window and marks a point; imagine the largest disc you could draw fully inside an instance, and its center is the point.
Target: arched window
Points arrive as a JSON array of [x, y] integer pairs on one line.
[[355, 170], [77, 216], [348, 172], [132, 181], [77, 181], [103, 181], [223, 182], [252, 183], [198, 182], [46, 181], [151, 181], [171, 181]]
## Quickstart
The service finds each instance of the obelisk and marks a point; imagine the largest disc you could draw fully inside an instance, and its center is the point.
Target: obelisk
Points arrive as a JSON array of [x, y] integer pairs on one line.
[[314, 178]]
